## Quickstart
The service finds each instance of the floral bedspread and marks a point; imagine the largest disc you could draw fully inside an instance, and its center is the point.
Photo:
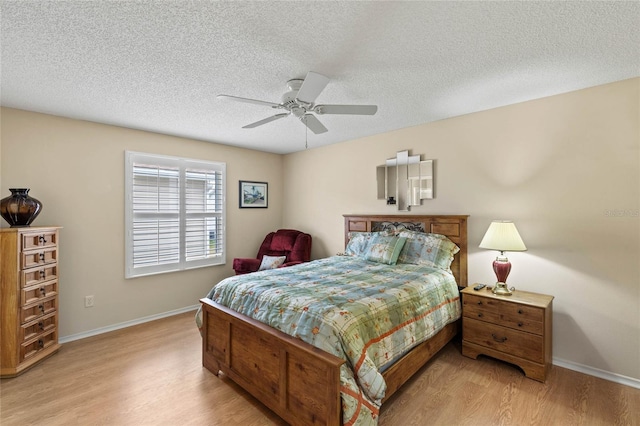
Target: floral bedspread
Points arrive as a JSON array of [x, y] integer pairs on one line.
[[364, 312]]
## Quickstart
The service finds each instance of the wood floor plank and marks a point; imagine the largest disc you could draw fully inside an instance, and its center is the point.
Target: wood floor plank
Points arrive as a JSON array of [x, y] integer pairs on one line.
[[152, 374]]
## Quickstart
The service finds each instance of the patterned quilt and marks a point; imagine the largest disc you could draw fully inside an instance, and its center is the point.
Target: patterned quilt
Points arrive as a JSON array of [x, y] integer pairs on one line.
[[364, 312]]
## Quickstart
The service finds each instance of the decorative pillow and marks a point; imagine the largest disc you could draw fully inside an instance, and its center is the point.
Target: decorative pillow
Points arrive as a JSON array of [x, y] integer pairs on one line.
[[359, 241], [384, 249], [433, 250], [271, 262]]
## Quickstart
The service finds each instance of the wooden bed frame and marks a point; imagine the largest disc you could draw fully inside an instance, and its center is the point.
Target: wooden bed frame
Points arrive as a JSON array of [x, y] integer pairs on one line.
[[296, 380]]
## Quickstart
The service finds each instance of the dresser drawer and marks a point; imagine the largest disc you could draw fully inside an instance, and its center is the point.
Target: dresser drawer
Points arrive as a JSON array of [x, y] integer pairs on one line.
[[524, 345], [31, 259], [39, 275], [29, 295], [39, 239], [32, 347], [41, 325], [33, 312], [508, 314]]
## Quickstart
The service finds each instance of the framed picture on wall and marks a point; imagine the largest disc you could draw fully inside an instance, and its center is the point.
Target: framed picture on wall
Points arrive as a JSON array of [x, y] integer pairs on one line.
[[254, 195]]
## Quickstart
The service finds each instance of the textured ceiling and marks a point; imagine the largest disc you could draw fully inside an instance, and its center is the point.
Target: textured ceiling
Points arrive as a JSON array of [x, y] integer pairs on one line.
[[158, 65]]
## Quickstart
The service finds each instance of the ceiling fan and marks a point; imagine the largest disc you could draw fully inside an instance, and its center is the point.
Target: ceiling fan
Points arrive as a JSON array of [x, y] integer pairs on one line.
[[299, 101]]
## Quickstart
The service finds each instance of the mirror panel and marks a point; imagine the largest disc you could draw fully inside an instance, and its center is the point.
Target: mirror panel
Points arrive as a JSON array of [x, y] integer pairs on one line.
[[405, 181], [426, 180], [391, 178], [402, 181], [381, 179], [414, 183]]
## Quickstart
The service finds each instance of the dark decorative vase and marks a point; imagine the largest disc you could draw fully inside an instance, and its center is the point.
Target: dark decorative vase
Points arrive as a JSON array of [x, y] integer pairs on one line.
[[19, 209]]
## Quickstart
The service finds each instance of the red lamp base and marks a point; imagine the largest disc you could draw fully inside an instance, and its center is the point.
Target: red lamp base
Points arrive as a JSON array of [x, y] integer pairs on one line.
[[502, 267]]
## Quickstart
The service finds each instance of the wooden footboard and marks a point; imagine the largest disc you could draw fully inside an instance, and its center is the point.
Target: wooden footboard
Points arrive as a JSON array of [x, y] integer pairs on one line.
[[299, 382]]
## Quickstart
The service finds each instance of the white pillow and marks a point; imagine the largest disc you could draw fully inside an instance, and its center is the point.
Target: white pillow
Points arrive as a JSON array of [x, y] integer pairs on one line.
[[271, 262]]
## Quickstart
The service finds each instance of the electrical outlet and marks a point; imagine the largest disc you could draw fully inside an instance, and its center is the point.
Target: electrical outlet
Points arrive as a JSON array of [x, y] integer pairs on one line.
[[88, 301]]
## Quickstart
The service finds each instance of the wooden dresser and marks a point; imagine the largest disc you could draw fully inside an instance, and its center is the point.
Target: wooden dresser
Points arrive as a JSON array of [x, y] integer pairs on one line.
[[28, 297], [515, 328]]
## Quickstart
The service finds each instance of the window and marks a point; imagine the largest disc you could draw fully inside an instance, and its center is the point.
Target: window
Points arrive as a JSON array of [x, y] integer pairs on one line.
[[174, 214]]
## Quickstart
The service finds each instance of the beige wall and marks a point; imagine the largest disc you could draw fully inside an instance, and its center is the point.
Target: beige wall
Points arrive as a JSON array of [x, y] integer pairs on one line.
[[76, 169], [557, 166]]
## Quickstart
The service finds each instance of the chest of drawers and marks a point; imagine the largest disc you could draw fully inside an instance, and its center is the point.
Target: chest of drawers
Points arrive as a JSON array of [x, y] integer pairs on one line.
[[29, 297], [516, 329]]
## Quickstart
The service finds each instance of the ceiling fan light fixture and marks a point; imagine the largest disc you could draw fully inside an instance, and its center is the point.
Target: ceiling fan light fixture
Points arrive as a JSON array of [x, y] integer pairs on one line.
[[298, 111]]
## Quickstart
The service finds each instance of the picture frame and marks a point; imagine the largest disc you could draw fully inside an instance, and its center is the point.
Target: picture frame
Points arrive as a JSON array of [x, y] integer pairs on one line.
[[253, 195]]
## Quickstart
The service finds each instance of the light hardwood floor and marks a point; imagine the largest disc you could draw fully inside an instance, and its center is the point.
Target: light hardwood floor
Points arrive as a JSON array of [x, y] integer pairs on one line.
[[151, 374]]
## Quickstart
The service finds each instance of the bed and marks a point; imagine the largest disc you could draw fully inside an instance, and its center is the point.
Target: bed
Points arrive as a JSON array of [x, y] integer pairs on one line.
[[302, 383]]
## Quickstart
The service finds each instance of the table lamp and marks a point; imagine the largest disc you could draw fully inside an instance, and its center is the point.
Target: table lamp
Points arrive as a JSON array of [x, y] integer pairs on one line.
[[502, 235]]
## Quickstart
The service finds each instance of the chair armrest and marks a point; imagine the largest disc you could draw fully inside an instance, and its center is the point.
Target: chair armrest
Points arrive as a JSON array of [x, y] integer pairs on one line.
[[246, 265]]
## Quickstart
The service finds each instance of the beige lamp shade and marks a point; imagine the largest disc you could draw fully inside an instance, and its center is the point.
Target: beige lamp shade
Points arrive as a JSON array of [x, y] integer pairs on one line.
[[502, 235]]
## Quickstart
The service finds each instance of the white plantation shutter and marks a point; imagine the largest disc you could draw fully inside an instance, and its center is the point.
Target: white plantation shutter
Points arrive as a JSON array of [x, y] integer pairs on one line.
[[156, 215], [174, 214], [204, 206]]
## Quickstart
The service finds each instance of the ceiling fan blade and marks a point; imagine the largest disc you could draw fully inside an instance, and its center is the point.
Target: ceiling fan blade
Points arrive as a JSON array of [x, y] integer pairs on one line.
[[346, 109], [313, 124], [312, 85], [265, 121], [249, 101]]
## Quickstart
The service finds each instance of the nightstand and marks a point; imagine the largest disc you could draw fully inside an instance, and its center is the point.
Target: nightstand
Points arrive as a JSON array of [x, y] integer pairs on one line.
[[515, 329]]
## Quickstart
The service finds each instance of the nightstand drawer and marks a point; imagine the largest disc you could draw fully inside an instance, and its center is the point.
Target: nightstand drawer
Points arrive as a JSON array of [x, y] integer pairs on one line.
[[508, 314], [524, 345]]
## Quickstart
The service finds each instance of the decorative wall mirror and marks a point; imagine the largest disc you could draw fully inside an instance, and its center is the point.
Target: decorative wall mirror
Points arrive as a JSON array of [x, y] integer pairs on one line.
[[405, 181]]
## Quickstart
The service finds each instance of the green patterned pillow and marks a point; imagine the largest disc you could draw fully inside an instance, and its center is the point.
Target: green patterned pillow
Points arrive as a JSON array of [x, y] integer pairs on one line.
[[433, 250], [359, 241], [384, 249]]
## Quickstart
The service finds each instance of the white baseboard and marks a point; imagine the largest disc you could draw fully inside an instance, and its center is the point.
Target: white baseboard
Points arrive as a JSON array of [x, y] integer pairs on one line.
[[84, 334], [602, 374]]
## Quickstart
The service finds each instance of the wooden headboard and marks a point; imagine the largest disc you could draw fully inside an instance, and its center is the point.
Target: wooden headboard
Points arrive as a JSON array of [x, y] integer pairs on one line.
[[454, 227]]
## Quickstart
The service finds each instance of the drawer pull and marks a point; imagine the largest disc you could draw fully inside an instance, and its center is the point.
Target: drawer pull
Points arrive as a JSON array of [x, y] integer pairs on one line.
[[40, 343], [520, 324], [42, 274], [41, 257], [479, 302], [41, 325], [42, 239], [480, 315], [43, 291], [498, 339], [519, 311], [41, 307]]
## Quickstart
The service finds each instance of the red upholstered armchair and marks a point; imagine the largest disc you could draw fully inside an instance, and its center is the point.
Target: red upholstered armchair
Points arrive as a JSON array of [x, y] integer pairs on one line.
[[295, 245]]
